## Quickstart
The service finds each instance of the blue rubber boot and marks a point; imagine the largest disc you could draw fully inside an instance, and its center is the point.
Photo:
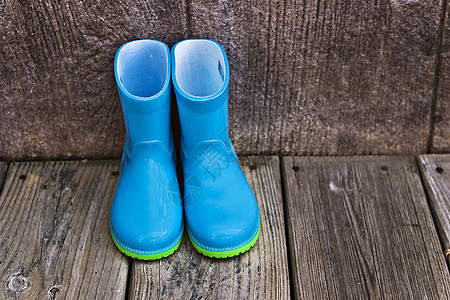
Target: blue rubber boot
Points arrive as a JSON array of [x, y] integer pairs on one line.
[[147, 214], [222, 215]]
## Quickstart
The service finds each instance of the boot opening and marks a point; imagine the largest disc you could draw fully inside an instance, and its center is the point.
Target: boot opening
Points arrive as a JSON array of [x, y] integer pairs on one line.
[[142, 67], [199, 67]]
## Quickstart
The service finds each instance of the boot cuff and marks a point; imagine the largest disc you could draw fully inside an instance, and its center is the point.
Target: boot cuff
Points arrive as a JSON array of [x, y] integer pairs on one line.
[[142, 71], [200, 74]]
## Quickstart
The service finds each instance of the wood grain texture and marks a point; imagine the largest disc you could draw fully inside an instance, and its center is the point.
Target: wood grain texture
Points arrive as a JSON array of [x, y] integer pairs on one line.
[[54, 237], [360, 228], [326, 77], [261, 273], [59, 98], [441, 128], [307, 77], [435, 170]]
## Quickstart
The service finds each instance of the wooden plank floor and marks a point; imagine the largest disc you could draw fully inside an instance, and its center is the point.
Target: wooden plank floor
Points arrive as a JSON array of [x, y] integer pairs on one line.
[[356, 227], [435, 171], [360, 227], [54, 237]]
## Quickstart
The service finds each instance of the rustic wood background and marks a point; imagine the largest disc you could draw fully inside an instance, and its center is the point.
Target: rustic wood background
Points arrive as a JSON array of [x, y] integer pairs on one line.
[[441, 129], [307, 77]]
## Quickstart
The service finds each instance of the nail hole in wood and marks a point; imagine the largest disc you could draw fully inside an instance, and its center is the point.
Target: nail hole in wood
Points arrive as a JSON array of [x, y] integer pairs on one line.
[[384, 168], [54, 291], [115, 173], [252, 167], [439, 170], [22, 177], [295, 168]]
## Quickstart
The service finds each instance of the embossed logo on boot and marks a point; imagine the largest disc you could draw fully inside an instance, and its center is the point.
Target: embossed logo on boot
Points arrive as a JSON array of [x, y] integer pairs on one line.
[[190, 187]]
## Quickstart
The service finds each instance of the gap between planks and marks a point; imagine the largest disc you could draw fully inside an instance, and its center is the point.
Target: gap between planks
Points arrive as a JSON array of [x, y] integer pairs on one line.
[[3, 170]]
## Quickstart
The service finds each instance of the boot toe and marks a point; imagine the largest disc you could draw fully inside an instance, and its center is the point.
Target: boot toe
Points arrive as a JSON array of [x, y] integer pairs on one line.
[[222, 234], [145, 217], [223, 220], [143, 236]]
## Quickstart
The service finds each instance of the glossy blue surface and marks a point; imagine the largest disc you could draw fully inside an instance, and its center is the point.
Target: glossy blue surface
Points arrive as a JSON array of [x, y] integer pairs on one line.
[[221, 210], [147, 214]]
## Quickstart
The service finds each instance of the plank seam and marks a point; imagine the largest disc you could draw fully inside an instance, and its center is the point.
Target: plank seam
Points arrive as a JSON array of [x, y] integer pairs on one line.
[[437, 71], [291, 272], [3, 176], [128, 284], [188, 19]]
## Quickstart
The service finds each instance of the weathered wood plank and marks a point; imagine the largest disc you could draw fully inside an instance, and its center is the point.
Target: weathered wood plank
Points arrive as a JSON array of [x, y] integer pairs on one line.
[[54, 237], [326, 77], [435, 170], [360, 227], [441, 124], [307, 77], [56, 72], [261, 273]]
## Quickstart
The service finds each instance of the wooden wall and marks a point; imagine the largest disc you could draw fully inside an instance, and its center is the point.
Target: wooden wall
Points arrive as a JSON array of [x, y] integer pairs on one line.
[[307, 77], [441, 130]]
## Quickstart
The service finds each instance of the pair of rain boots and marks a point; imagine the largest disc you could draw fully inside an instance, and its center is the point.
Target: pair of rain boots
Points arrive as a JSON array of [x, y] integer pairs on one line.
[[220, 211]]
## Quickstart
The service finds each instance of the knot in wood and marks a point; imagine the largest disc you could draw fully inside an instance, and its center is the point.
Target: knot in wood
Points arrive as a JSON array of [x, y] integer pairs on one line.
[[18, 283]]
